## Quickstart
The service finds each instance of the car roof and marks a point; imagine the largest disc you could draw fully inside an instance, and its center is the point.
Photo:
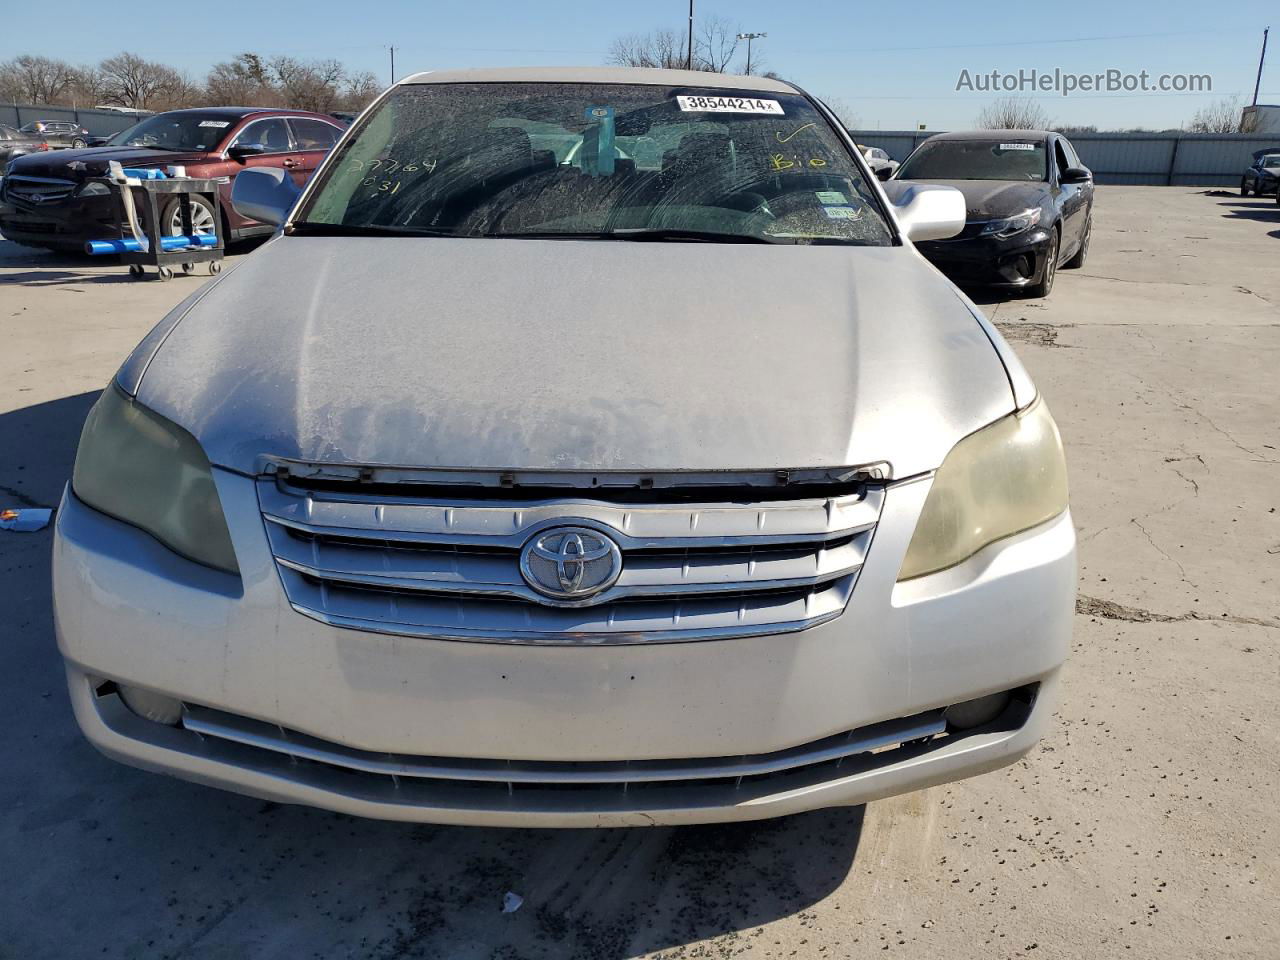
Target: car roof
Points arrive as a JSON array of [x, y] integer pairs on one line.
[[641, 75], [993, 135], [236, 113]]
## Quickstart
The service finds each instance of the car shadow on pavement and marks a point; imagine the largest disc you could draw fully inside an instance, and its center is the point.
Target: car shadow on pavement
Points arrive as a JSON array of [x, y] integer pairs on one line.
[[55, 278], [1264, 208], [16, 254], [109, 861]]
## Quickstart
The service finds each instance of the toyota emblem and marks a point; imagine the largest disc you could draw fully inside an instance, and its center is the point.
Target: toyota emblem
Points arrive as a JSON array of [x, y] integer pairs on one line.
[[570, 563]]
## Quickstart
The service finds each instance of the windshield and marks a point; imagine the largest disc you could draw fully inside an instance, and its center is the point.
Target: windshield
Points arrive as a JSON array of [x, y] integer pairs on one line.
[[599, 161], [1011, 159], [35, 126], [176, 131], [1271, 161]]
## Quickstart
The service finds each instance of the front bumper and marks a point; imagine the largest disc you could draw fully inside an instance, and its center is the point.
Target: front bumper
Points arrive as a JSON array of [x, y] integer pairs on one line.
[[66, 224], [989, 261], [128, 611]]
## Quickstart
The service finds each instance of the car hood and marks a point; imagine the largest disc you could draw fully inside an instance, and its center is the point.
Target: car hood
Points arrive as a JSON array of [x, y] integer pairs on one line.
[[991, 199], [577, 355], [79, 165]]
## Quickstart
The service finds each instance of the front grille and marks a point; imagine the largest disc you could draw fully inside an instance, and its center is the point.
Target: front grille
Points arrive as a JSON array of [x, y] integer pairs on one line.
[[449, 568], [37, 190]]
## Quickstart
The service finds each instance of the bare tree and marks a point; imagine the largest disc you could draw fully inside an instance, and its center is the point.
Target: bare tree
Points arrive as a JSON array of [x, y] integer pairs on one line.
[[715, 44], [360, 90], [843, 110], [664, 49], [242, 81], [1013, 113], [176, 90], [35, 79], [130, 81], [1221, 116], [88, 87], [308, 86]]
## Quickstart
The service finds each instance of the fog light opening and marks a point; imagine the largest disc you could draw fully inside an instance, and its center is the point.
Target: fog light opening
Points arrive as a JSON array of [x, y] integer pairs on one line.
[[155, 707], [1024, 266], [974, 713]]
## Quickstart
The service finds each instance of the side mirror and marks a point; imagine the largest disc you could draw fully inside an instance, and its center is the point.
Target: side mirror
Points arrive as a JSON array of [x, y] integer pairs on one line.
[[1076, 175], [243, 151], [884, 173], [926, 211], [264, 193]]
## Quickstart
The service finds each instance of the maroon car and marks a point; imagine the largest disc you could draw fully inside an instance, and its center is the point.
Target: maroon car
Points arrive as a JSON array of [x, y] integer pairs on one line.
[[45, 201]]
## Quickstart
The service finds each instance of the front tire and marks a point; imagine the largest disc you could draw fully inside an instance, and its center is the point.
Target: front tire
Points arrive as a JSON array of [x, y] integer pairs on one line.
[[1244, 187], [1044, 286], [78, 144]]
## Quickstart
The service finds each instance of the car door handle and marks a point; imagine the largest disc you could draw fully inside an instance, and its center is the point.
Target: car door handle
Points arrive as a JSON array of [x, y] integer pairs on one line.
[[291, 163]]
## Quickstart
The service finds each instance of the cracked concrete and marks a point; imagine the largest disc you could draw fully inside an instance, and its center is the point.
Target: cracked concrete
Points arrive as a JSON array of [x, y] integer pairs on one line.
[[1145, 825]]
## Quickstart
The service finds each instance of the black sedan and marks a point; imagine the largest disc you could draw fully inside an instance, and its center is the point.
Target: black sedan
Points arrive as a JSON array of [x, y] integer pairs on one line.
[[58, 133], [1263, 174], [15, 143], [1029, 206]]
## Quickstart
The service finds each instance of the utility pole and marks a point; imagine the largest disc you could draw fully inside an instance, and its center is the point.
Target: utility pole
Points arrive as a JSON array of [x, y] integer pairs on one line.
[[688, 60], [393, 66], [749, 37], [1258, 83]]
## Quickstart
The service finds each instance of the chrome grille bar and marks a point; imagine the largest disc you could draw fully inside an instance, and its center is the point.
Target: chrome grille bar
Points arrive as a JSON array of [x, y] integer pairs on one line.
[[255, 733]]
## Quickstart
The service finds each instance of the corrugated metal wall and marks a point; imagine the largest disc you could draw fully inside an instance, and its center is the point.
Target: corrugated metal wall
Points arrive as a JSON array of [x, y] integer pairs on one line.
[[1181, 159], [99, 123]]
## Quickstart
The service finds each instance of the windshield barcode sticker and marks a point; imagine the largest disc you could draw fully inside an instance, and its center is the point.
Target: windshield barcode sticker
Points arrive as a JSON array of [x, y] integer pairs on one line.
[[728, 105], [1017, 146], [219, 124]]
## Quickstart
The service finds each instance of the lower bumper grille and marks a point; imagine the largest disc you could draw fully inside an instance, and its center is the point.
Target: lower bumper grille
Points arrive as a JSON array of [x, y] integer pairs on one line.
[[450, 568], [843, 754]]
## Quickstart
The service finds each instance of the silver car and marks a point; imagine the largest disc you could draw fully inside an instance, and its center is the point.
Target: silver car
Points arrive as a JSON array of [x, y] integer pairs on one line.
[[669, 485]]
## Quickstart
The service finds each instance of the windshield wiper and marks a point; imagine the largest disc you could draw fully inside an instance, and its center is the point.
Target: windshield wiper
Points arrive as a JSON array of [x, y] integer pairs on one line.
[[690, 236], [317, 229], [640, 234]]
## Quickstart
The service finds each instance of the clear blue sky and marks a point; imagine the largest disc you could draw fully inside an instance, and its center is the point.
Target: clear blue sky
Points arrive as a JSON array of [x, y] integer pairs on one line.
[[893, 64]]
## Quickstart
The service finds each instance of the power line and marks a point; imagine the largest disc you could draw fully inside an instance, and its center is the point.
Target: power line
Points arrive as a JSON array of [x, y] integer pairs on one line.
[[1018, 43]]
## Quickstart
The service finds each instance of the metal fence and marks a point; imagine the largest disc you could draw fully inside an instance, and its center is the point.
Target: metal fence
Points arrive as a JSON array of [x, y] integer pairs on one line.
[[1178, 159], [99, 123]]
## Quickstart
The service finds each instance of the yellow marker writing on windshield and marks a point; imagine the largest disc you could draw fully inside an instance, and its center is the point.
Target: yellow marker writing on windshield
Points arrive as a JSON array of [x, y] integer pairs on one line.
[[781, 139]]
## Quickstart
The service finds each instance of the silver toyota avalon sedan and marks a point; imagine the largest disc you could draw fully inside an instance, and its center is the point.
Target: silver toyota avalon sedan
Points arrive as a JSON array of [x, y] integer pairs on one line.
[[588, 447]]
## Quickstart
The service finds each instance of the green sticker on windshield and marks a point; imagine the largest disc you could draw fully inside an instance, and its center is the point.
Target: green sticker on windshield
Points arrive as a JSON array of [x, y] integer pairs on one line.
[[831, 197]]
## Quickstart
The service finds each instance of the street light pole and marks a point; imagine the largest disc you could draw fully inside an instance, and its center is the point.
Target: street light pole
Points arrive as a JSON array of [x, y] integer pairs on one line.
[[1261, 60], [749, 37], [688, 62]]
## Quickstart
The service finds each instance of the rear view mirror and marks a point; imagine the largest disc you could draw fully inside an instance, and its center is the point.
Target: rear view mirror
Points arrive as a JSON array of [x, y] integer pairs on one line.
[[1076, 175], [926, 211], [264, 193]]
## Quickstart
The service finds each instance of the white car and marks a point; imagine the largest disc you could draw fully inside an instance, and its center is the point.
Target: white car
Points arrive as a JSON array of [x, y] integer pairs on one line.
[[880, 162], [499, 491]]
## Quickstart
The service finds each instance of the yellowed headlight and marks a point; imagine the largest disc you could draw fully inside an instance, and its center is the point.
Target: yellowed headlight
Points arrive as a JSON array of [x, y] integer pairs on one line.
[[1001, 480], [138, 467]]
